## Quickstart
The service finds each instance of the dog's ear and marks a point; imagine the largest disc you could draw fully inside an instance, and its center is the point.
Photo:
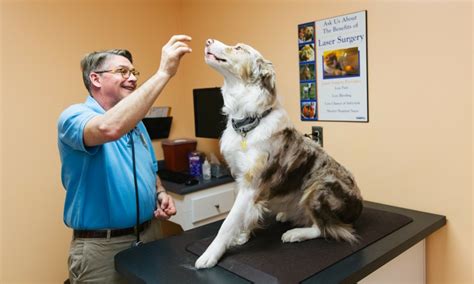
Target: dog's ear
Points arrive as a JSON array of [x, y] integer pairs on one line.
[[266, 75]]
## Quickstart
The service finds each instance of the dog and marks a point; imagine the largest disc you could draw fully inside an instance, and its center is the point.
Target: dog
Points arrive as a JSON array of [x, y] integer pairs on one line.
[[306, 90], [306, 53], [305, 34], [305, 73], [307, 111], [277, 170], [332, 66], [308, 33]]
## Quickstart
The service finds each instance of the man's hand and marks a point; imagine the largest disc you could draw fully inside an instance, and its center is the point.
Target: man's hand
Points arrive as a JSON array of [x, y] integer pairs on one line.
[[165, 206], [172, 53]]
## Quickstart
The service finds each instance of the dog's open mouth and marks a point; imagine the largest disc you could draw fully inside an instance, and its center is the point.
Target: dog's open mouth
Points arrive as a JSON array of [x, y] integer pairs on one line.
[[209, 54]]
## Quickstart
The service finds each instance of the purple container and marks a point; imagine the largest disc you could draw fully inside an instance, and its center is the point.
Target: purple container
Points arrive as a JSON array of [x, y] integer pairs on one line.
[[195, 165]]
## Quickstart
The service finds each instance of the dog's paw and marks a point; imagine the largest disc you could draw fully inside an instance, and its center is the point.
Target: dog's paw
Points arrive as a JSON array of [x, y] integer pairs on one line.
[[291, 236], [300, 234], [242, 238], [281, 217], [206, 261]]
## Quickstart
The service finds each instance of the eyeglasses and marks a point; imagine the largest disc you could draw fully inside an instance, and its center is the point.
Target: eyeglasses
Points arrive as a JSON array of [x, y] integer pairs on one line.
[[125, 72]]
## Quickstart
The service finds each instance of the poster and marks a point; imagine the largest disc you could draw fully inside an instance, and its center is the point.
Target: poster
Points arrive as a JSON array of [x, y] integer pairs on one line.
[[333, 69]]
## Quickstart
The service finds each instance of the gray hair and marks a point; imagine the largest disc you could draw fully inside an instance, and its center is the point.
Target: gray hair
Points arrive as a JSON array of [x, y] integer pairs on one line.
[[95, 60]]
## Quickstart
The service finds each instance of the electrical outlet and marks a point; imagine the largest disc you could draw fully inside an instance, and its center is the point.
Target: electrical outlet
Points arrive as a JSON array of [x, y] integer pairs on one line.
[[317, 134]]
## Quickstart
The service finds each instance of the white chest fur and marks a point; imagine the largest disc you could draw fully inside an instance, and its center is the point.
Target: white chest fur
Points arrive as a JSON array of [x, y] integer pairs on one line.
[[241, 153]]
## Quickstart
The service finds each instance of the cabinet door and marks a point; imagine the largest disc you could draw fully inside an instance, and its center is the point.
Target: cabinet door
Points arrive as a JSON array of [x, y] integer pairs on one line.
[[211, 205]]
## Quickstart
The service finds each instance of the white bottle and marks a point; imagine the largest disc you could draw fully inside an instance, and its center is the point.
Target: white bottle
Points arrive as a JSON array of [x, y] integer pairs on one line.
[[206, 170]]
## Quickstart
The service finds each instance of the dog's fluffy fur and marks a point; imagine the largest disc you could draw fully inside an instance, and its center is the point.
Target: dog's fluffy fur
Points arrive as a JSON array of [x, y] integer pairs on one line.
[[307, 53], [332, 66], [278, 170]]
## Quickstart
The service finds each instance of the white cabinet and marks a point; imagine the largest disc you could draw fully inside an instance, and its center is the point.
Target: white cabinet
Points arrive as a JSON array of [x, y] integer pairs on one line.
[[204, 206], [409, 268]]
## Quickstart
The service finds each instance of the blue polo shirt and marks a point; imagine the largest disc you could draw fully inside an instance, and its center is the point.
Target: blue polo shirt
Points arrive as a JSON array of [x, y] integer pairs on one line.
[[100, 191]]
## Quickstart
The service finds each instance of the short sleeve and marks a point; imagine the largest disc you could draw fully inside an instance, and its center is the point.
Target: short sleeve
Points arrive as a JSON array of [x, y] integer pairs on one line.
[[71, 124]]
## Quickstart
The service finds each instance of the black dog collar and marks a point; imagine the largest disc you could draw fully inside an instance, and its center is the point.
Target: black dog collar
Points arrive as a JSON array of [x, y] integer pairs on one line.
[[245, 125]]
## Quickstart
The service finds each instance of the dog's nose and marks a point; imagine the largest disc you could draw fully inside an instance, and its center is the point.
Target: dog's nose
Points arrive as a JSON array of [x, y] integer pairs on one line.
[[209, 42]]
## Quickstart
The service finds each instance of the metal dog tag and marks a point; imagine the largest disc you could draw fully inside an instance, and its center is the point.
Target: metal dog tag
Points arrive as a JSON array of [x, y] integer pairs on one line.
[[243, 144]]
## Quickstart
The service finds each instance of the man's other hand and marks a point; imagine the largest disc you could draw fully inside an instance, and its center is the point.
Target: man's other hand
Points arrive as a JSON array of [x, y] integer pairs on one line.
[[165, 207]]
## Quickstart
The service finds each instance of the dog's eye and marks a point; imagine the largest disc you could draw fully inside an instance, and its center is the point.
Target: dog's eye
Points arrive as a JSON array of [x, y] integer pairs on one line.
[[238, 48]]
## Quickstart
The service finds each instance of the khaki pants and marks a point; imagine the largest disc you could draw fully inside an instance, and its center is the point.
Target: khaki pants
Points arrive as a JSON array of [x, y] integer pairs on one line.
[[91, 260]]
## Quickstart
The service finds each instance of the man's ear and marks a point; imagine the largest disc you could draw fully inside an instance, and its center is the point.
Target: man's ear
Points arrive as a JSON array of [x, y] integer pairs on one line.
[[95, 79], [267, 75]]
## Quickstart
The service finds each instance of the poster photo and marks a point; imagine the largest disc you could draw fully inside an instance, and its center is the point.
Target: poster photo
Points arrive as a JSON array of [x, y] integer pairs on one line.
[[308, 110], [341, 63], [306, 33], [339, 45], [307, 72], [308, 91]]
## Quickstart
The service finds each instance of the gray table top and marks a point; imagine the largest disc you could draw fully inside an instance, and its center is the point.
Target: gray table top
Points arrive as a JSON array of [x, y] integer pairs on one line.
[[167, 261]]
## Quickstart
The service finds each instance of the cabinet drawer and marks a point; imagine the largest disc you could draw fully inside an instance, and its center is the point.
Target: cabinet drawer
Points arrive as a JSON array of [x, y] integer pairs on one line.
[[211, 205]]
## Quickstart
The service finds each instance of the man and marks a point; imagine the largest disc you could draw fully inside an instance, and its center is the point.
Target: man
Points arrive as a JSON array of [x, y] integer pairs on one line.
[[108, 161]]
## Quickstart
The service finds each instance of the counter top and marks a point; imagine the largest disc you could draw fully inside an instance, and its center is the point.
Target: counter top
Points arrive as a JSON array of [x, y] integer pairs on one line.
[[168, 261], [183, 189]]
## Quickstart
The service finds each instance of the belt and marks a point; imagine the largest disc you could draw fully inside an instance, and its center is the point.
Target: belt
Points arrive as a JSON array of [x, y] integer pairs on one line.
[[111, 232]]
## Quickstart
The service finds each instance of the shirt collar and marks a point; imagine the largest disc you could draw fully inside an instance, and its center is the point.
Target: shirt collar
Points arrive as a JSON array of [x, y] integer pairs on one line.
[[93, 104]]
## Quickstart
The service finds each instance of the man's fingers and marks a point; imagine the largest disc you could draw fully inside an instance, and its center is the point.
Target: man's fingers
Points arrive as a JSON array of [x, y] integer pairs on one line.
[[178, 44], [180, 48], [172, 53], [176, 38], [183, 50], [161, 214], [174, 46], [170, 211], [172, 206], [164, 203]]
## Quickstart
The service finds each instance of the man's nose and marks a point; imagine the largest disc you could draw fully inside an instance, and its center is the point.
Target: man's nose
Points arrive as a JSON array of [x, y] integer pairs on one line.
[[132, 77]]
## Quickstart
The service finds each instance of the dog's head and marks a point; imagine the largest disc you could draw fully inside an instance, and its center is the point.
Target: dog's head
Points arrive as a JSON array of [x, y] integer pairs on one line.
[[240, 63], [308, 33], [306, 53], [330, 59]]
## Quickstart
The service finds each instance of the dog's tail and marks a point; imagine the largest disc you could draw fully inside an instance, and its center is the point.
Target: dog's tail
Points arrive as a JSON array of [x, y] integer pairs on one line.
[[336, 211], [341, 232]]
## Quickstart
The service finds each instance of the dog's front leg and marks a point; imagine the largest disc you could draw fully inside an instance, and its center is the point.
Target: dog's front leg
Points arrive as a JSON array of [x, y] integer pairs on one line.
[[229, 231]]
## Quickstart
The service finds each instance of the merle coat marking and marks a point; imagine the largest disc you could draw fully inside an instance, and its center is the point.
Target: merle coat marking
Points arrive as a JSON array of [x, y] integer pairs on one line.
[[277, 169]]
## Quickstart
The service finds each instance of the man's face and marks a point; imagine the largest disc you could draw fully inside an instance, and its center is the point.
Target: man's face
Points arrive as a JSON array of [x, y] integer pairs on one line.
[[113, 84]]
